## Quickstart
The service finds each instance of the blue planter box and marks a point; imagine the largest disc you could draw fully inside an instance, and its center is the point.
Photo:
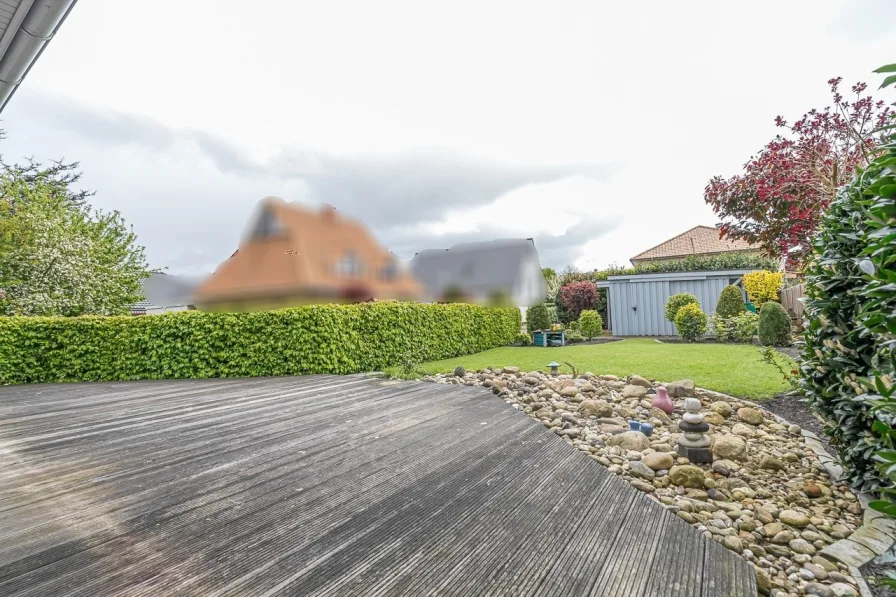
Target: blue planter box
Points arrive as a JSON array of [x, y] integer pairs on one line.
[[548, 338]]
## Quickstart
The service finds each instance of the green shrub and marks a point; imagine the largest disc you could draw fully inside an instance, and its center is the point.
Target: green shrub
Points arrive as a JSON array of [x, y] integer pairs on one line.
[[573, 326], [196, 344], [553, 316], [774, 325], [523, 340], [851, 314], [763, 286], [731, 303], [591, 324], [537, 318], [690, 322], [744, 327], [677, 301], [740, 328], [574, 338]]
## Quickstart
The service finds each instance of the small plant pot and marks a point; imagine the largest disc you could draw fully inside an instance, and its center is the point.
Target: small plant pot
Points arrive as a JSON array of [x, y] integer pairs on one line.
[[647, 429], [634, 425]]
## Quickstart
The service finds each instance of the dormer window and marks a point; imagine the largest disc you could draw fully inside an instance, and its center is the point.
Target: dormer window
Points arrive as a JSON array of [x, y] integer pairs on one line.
[[350, 265], [267, 226], [389, 271]]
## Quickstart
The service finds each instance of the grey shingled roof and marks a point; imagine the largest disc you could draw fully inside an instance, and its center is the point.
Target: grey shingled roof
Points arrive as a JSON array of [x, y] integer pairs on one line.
[[477, 268], [164, 290]]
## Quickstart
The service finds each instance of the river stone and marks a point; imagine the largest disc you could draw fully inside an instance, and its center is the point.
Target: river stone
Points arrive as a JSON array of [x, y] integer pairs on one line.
[[770, 463], [724, 467], [642, 486], [841, 589], [569, 391], [763, 581], [637, 380], [783, 538], [743, 430], [631, 391], [721, 407], [639, 469], [816, 570], [683, 388], [729, 447], [630, 440], [687, 475], [793, 518], [733, 543], [596, 408], [802, 546], [658, 461], [773, 528], [818, 590], [714, 419], [750, 415]]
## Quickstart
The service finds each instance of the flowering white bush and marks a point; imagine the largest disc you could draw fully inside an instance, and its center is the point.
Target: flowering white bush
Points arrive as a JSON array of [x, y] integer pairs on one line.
[[57, 257]]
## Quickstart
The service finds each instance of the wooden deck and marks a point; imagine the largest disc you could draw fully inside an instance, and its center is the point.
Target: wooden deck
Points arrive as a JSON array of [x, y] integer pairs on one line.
[[322, 485]]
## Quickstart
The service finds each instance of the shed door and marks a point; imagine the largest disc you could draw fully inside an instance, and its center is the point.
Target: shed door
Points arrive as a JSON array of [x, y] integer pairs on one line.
[[648, 301]]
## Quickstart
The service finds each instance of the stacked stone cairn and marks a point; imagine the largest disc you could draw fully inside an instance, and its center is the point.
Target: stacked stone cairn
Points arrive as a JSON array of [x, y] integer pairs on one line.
[[694, 443]]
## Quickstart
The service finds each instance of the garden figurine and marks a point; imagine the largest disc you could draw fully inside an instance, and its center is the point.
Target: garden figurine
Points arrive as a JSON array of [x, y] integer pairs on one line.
[[662, 401]]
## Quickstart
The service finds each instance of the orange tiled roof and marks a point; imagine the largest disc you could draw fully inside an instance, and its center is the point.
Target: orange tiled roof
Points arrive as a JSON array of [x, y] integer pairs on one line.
[[302, 259], [699, 240]]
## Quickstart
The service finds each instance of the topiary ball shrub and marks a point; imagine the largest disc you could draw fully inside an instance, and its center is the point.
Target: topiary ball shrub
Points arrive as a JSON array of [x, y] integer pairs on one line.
[[774, 325], [591, 324], [523, 340], [731, 303], [677, 301], [537, 318], [690, 322]]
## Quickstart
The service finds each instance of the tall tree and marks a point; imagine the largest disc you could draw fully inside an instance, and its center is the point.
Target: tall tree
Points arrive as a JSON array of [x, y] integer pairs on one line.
[[57, 256], [778, 199]]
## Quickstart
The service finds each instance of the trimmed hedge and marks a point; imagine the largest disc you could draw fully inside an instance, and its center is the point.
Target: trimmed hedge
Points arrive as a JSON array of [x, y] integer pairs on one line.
[[193, 344], [537, 318], [676, 302], [731, 303], [774, 325], [690, 321], [851, 330]]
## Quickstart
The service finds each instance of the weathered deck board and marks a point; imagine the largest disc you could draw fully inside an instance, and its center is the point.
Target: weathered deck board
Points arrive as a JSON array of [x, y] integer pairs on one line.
[[326, 486]]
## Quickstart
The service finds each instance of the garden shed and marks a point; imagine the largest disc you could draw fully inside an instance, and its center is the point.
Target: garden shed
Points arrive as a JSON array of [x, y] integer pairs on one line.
[[636, 303]]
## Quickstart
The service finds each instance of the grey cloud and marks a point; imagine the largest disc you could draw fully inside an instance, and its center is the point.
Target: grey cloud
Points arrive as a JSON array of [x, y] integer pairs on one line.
[[175, 212]]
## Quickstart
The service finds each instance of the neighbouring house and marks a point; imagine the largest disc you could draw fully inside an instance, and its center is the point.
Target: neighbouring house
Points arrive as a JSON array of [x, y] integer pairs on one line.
[[291, 254], [164, 293], [504, 271], [699, 240]]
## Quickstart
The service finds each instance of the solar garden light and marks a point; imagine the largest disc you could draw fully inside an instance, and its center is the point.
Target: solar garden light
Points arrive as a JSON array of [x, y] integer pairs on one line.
[[554, 365]]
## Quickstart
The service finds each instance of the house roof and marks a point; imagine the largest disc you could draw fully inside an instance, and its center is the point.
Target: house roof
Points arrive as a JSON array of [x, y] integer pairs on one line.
[[26, 27], [477, 268], [164, 290], [699, 240], [302, 257]]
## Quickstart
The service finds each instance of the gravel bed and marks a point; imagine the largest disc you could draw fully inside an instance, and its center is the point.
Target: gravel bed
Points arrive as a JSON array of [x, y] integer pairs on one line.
[[764, 496]]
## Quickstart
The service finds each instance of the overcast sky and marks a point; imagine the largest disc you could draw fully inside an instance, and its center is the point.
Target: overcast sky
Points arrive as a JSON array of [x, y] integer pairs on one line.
[[589, 125]]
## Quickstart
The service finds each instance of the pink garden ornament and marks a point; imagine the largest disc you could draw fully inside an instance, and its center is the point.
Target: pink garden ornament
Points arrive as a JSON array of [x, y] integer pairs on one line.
[[662, 401]]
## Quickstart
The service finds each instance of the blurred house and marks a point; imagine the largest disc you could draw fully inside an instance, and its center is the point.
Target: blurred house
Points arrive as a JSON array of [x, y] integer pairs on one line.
[[291, 254], [163, 293], [703, 241], [504, 271]]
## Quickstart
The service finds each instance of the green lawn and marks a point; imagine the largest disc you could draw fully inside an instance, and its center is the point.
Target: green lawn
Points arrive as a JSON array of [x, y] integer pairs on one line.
[[733, 369]]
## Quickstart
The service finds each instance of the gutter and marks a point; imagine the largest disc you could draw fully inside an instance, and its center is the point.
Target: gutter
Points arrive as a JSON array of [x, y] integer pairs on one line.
[[32, 27]]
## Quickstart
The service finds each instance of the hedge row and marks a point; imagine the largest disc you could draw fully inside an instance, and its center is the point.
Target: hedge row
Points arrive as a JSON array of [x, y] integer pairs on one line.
[[851, 290], [195, 344]]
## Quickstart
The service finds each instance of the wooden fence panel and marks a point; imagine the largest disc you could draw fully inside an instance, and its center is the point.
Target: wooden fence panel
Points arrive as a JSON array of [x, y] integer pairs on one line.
[[789, 300]]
